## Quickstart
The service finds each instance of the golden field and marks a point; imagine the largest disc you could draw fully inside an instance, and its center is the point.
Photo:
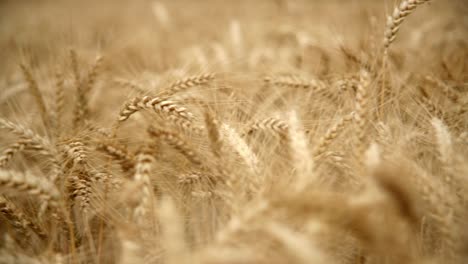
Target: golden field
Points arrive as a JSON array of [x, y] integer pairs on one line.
[[234, 131]]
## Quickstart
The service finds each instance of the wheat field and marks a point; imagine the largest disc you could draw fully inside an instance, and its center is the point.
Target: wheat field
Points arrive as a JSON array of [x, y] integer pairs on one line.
[[234, 131]]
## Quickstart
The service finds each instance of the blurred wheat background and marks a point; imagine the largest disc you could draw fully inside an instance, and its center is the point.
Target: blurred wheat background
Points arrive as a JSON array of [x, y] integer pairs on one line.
[[234, 131]]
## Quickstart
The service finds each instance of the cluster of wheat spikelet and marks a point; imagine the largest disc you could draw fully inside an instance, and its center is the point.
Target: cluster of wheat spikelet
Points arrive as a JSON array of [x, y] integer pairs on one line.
[[260, 132]]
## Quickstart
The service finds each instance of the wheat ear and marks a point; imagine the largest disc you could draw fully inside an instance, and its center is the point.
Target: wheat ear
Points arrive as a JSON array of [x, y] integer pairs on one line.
[[214, 136], [143, 166], [273, 124], [185, 84], [396, 19], [59, 102], [177, 142], [19, 220], [28, 183], [361, 109], [118, 153], [331, 134], [301, 156], [28, 134], [82, 89], [18, 146], [80, 189], [34, 90], [240, 146], [157, 104]]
